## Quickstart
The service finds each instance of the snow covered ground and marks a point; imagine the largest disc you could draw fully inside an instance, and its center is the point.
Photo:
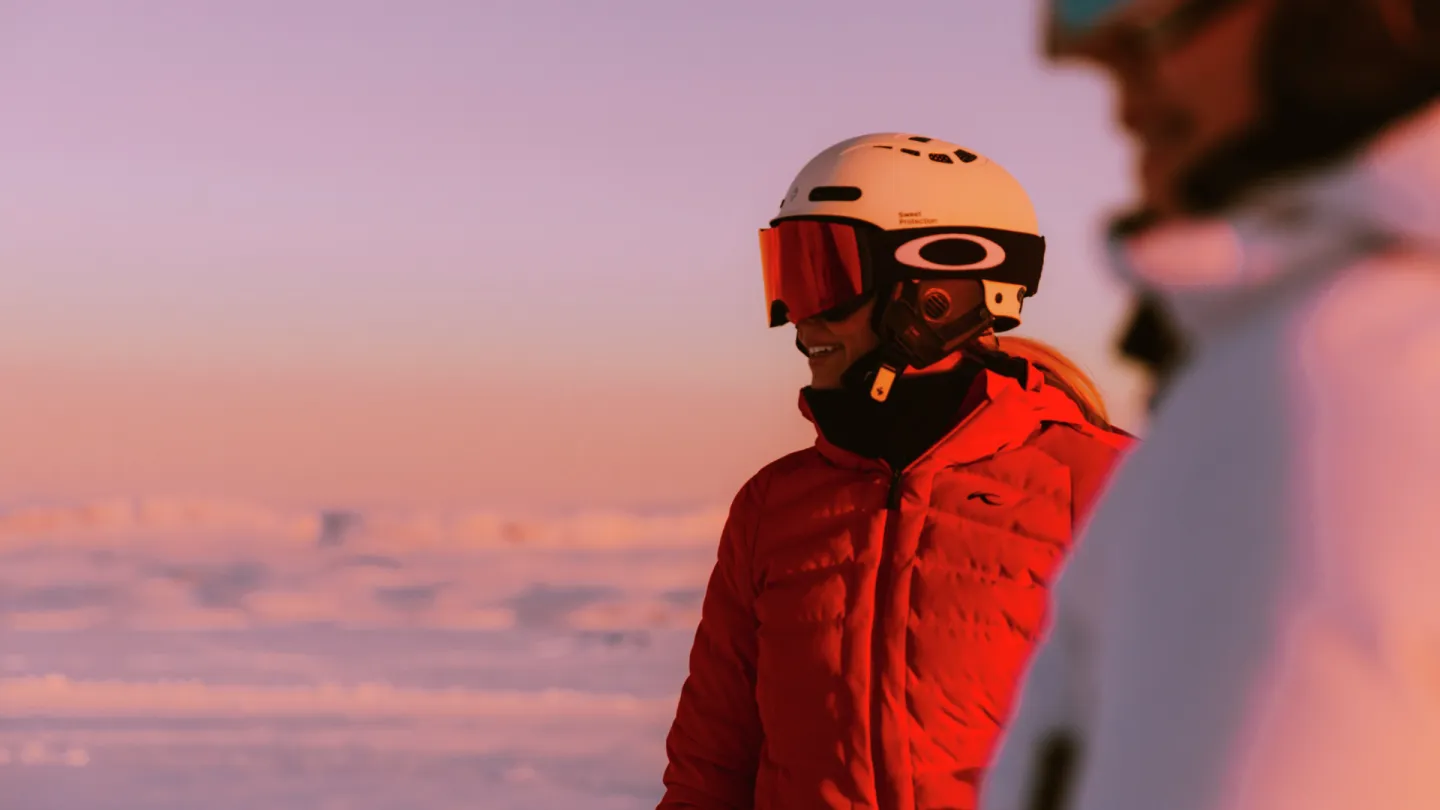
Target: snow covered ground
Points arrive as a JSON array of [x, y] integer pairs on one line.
[[165, 655]]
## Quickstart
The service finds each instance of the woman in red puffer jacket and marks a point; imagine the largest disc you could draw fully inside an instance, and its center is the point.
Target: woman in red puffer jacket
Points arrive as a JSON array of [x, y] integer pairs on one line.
[[877, 596]]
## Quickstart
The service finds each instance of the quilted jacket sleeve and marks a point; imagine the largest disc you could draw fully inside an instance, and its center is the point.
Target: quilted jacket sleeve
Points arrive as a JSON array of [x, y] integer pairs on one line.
[[1039, 757], [714, 743]]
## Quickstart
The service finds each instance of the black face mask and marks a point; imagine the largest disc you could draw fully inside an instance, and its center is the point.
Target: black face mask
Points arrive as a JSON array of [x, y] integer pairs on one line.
[[921, 410]]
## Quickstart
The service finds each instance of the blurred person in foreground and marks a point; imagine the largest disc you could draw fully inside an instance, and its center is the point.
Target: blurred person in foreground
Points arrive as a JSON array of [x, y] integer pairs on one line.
[[877, 596], [1252, 621]]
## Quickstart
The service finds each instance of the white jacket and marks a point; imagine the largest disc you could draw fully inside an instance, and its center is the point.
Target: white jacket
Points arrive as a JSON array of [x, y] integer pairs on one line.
[[1252, 621]]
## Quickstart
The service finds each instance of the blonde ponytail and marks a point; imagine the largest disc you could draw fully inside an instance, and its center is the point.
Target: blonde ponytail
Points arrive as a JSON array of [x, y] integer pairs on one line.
[[1061, 372]]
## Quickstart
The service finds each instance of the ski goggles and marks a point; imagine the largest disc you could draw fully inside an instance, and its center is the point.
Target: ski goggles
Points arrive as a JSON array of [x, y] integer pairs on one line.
[[826, 268], [811, 268], [1077, 26]]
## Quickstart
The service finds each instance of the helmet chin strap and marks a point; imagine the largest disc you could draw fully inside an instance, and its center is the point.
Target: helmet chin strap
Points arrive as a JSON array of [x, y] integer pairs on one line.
[[876, 372], [909, 340]]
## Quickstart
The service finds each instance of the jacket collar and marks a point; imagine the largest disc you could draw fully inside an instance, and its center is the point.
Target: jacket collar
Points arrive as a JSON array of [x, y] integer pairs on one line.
[[1005, 415]]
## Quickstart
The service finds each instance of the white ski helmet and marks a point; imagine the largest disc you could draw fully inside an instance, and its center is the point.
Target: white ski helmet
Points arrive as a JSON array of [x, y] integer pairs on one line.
[[943, 210]]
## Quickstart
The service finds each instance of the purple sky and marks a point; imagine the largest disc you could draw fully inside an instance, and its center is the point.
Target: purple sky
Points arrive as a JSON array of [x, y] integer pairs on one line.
[[494, 252]]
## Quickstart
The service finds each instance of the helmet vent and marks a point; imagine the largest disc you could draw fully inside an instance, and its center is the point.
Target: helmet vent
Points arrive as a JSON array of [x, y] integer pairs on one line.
[[834, 194], [936, 304], [882, 146], [940, 157], [911, 152], [965, 157], [920, 138]]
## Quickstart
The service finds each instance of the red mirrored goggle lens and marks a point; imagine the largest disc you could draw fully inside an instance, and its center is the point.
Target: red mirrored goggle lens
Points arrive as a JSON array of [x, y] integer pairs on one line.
[[810, 268]]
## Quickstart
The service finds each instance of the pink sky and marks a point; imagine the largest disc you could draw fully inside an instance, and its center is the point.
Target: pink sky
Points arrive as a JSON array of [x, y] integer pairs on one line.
[[496, 253]]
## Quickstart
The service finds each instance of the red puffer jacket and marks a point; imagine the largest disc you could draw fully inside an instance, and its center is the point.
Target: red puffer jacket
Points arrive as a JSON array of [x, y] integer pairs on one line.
[[864, 630]]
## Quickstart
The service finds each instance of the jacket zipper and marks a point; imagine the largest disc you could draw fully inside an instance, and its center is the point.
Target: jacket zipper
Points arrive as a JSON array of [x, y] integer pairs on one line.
[[893, 497], [883, 579], [892, 501]]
